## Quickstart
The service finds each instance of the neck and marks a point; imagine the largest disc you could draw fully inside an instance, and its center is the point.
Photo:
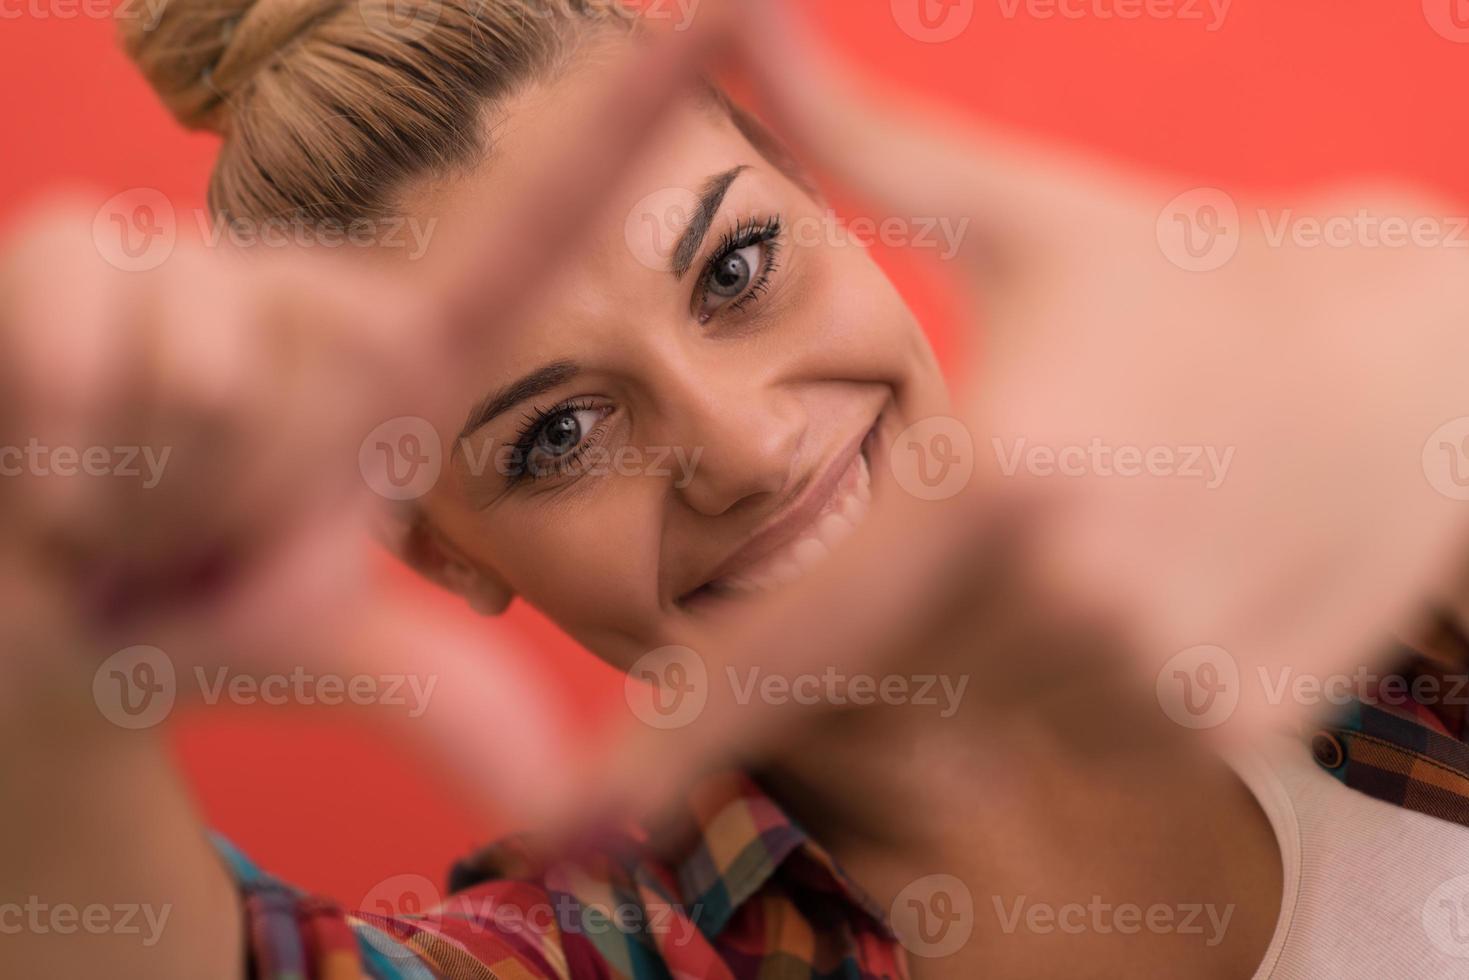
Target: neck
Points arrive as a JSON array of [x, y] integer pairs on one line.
[[1051, 803]]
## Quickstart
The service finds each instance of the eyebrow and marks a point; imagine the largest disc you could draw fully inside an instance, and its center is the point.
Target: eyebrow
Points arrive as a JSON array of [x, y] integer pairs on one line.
[[545, 378], [500, 401], [692, 239]]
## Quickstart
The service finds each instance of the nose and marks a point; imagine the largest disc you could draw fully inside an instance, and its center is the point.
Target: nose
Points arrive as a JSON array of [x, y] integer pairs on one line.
[[747, 442]]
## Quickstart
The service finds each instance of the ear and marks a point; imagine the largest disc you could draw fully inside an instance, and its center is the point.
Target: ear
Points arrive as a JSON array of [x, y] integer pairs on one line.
[[413, 538]]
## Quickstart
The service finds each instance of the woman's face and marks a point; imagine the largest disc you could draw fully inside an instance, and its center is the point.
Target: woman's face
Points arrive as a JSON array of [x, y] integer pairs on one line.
[[701, 408]]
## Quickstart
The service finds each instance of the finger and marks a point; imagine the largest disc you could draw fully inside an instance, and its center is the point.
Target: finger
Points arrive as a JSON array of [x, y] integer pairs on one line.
[[894, 580], [911, 158], [335, 637], [499, 276]]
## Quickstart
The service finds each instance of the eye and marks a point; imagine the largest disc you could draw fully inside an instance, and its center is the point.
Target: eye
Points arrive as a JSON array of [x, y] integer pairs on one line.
[[740, 270], [733, 273], [556, 437]]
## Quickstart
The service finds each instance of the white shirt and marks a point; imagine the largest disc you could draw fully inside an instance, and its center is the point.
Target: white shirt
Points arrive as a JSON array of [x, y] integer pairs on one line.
[[1372, 891]]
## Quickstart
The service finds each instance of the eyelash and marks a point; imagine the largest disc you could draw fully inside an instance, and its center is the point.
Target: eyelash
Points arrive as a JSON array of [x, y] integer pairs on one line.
[[743, 235], [532, 425]]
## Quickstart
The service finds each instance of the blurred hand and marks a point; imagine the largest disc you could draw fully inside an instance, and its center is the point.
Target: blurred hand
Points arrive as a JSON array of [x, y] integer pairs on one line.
[[242, 390], [1309, 380]]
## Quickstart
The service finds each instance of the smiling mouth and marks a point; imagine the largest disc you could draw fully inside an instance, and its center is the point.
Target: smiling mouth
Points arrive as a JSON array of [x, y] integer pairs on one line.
[[802, 538]]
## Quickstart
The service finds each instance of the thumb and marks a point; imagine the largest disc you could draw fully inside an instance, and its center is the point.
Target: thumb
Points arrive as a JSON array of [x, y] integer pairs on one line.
[[914, 159]]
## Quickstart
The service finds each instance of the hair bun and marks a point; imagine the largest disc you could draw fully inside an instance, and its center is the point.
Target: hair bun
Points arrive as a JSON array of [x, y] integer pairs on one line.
[[198, 53]]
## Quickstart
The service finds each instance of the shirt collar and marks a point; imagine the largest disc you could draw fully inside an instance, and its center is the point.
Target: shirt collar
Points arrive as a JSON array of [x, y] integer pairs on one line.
[[726, 842]]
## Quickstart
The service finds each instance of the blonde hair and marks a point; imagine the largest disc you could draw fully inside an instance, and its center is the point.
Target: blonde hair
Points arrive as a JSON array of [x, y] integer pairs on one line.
[[327, 107]]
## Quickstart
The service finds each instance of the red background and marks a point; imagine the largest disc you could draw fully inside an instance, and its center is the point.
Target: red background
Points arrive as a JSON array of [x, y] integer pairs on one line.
[[1288, 92]]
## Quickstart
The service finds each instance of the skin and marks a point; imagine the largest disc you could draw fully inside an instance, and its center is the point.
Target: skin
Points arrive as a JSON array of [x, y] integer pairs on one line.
[[770, 394], [1087, 806], [764, 397]]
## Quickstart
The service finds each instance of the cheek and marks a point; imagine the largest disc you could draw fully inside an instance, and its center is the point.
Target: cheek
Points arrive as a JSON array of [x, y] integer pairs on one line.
[[587, 556]]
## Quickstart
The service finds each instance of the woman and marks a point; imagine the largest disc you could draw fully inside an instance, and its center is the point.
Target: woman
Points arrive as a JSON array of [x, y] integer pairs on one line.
[[784, 369]]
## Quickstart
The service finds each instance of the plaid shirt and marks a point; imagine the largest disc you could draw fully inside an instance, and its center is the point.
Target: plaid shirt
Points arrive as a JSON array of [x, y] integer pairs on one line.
[[751, 896]]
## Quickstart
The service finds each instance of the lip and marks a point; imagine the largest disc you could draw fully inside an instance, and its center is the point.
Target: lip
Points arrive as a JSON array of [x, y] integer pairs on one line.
[[796, 517]]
